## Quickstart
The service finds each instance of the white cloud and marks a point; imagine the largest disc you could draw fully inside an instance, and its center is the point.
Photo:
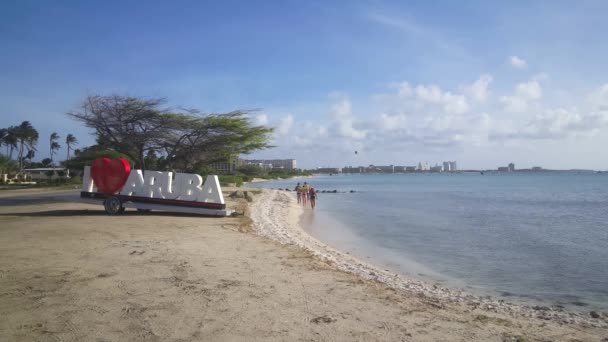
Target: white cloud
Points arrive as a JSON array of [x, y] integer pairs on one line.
[[405, 90], [523, 95], [426, 119], [529, 90], [430, 93], [341, 111], [302, 142], [598, 99], [557, 124], [479, 89], [455, 104], [391, 122], [284, 125], [560, 123], [514, 103], [260, 120], [322, 131], [517, 62], [452, 103]]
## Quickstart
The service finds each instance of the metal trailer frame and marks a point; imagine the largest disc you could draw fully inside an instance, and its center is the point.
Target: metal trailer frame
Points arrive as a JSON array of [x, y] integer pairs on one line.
[[116, 204]]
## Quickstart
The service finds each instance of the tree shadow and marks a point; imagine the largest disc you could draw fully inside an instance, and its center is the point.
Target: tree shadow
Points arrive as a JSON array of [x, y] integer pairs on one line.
[[88, 212]]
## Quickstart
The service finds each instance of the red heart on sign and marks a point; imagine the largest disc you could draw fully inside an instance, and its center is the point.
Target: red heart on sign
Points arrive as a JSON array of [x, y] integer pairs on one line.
[[110, 175]]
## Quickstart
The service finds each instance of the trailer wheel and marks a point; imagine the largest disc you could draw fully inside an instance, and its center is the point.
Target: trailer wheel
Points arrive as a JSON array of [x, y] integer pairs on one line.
[[113, 205]]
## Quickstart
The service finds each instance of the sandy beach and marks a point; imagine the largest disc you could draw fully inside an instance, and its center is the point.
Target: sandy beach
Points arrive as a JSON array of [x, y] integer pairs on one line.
[[68, 272]]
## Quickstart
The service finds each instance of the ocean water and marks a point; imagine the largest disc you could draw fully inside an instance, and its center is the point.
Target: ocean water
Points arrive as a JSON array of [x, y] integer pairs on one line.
[[533, 237]]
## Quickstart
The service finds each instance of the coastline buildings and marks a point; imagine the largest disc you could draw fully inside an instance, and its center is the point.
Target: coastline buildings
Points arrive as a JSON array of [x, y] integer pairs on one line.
[[328, 170], [509, 168], [448, 166], [233, 164], [423, 167], [284, 164]]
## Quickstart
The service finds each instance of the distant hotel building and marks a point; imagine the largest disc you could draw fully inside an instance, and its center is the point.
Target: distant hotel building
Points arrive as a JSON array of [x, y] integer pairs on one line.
[[449, 166], [285, 164], [423, 167], [510, 168], [226, 167], [235, 163]]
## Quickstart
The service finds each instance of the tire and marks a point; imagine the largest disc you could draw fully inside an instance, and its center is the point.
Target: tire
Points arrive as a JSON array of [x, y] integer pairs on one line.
[[113, 205]]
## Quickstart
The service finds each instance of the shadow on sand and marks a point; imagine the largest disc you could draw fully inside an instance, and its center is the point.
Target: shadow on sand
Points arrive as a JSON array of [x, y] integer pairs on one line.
[[86, 212]]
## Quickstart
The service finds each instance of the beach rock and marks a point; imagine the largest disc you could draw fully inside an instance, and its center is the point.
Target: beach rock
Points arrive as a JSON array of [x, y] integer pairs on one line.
[[237, 194], [594, 314], [323, 319], [541, 308], [248, 196]]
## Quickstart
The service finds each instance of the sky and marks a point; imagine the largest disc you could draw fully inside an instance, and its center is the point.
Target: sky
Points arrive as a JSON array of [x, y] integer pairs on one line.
[[484, 83]]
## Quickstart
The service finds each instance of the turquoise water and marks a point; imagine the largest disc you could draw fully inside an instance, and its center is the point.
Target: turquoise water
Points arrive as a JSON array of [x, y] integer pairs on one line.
[[540, 237]]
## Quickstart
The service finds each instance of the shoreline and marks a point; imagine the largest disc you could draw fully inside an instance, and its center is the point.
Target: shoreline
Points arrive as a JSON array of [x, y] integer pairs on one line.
[[71, 272], [276, 216]]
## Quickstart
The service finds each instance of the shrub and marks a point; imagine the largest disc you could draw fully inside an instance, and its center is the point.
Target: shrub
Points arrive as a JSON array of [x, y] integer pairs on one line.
[[226, 179]]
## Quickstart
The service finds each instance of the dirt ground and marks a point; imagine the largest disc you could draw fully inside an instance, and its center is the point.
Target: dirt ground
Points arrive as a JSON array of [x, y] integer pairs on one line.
[[68, 272]]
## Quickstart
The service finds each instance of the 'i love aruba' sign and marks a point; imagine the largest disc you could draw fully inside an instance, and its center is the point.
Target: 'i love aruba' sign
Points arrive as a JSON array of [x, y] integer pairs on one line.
[[114, 176]]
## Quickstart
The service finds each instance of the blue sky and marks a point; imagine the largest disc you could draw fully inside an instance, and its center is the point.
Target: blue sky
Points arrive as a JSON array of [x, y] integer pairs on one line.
[[484, 83]]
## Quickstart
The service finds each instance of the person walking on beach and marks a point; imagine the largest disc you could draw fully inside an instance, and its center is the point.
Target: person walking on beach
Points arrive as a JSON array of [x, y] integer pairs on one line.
[[312, 194], [298, 190], [304, 189]]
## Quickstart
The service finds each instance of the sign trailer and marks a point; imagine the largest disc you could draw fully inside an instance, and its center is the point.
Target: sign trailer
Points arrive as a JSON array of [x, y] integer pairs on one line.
[[113, 182]]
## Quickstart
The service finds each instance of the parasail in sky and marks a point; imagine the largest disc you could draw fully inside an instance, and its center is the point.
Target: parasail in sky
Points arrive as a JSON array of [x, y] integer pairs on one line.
[[356, 152]]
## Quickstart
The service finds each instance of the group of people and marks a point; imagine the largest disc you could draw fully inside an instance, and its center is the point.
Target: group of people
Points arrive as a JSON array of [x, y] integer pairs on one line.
[[306, 193]]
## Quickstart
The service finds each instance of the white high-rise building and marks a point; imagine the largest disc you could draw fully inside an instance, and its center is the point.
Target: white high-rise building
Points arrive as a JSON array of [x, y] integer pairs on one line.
[[446, 166], [453, 166]]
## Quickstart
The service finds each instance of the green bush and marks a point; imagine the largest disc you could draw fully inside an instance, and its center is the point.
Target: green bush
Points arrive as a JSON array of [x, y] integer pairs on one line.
[[75, 180], [227, 179]]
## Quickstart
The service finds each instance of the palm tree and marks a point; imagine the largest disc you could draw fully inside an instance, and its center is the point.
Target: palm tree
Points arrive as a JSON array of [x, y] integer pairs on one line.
[[29, 156], [27, 136], [69, 141], [3, 134], [53, 144], [10, 140]]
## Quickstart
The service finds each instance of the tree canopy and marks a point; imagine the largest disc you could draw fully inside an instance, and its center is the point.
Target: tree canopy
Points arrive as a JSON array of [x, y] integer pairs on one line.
[[185, 139]]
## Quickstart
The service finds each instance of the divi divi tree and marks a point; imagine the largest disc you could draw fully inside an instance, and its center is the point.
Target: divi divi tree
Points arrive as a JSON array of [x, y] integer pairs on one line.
[[186, 138]]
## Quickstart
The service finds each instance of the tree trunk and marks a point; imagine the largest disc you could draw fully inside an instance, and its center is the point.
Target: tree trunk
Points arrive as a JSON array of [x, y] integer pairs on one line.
[[20, 161], [142, 163]]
